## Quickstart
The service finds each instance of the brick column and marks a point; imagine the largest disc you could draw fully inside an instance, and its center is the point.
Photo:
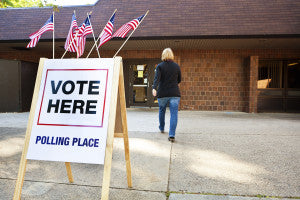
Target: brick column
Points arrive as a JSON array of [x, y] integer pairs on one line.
[[253, 77]]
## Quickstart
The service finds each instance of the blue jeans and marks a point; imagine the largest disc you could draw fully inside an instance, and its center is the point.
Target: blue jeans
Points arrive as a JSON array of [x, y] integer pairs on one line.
[[162, 103]]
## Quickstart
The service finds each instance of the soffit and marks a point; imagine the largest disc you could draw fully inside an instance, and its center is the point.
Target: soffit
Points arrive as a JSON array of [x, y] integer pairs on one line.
[[176, 44]]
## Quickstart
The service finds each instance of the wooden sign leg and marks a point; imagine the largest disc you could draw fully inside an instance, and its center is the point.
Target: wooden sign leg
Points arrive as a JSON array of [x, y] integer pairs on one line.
[[121, 130], [124, 126], [23, 162], [69, 172], [20, 179], [111, 130]]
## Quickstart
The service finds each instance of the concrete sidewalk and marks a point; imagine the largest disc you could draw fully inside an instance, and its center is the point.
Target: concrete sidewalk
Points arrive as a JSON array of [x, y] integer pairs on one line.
[[216, 156]]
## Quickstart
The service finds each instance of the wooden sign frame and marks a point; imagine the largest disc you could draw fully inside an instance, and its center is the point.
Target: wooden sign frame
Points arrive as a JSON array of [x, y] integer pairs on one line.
[[117, 127]]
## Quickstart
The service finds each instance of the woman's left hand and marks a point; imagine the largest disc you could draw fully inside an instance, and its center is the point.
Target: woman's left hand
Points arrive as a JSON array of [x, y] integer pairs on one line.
[[154, 92]]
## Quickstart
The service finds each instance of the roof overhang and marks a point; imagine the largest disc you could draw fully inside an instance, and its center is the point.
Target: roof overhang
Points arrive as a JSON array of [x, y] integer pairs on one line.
[[159, 44]]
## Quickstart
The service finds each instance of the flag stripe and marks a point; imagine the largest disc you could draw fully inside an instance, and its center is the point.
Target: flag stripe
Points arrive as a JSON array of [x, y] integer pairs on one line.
[[106, 35], [83, 31], [70, 42], [35, 37], [124, 29], [48, 27], [33, 42]]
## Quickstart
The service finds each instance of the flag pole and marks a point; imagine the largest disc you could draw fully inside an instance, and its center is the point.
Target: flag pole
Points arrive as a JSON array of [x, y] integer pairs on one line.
[[53, 35], [131, 34], [99, 36], [93, 33]]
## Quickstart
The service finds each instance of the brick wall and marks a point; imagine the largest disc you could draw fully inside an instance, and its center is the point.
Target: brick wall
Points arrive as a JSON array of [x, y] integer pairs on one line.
[[219, 80], [212, 80]]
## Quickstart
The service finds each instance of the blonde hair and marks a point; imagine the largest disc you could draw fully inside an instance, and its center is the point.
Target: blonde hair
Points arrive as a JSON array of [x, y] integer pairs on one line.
[[167, 54]]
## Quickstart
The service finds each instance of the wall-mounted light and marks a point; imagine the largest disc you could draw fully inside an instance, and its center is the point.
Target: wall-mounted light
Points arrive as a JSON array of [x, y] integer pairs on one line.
[[292, 64]]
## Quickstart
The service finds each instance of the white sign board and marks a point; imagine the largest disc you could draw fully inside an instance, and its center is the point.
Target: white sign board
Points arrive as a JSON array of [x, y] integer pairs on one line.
[[140, 67], [71, 116]]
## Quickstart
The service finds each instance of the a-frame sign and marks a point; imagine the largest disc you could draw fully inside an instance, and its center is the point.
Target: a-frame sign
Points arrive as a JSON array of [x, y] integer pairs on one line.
[[78, 107]]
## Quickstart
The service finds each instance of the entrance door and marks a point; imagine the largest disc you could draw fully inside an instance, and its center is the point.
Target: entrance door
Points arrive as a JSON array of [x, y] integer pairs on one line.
[[279, 86], [140, 78]]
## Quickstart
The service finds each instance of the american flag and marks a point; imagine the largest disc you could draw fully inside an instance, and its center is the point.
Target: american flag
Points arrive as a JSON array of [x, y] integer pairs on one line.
[[123, 30], [70, 38], [107, 32], [48, 26], [83, 31]]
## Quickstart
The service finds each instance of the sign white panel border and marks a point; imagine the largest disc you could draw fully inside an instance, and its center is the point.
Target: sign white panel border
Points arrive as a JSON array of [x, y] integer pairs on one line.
[[79, 154]]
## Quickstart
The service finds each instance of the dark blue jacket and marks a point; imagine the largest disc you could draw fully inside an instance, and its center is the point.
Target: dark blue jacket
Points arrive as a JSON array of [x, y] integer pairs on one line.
[[167, 77]]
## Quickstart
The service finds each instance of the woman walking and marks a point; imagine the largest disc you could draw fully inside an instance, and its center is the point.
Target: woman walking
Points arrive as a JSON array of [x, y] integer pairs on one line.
[[165, 87]]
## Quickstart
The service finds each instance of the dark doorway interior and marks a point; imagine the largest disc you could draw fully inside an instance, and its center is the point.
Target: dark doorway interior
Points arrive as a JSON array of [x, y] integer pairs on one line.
[[139, 75], [17, 79]]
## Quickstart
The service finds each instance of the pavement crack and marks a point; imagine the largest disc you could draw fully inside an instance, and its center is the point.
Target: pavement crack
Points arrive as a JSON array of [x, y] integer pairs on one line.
[[169, 172]]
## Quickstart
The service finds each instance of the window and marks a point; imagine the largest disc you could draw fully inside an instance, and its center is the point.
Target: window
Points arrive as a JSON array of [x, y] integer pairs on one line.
[[270, 74]]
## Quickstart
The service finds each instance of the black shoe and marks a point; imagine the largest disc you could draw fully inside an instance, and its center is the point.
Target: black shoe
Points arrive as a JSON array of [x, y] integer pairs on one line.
[[171, 139], [162, 131]]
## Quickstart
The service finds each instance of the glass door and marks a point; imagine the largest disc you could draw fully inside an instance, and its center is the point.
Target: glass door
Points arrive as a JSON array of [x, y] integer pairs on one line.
[[140, 84], [292, 92], [140, 79]]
